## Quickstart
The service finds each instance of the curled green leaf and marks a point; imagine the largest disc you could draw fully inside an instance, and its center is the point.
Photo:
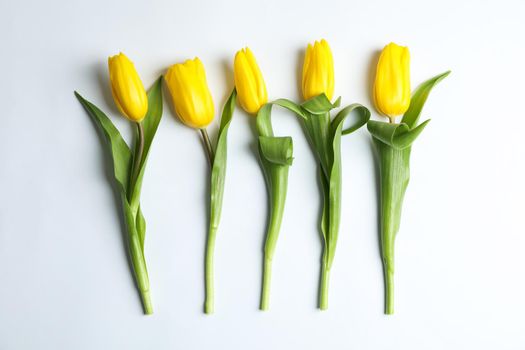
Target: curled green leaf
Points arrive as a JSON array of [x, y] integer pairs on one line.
[[320, 104], [398, 136], [276, 156], [277, 150]]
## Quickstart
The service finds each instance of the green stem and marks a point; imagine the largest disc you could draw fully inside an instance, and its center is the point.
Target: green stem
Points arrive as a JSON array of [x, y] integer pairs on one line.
[[267, 277], [207, 144], [135, 246], [389, 289], [323, 293], [209, 303], [139, 150], [209, 306]]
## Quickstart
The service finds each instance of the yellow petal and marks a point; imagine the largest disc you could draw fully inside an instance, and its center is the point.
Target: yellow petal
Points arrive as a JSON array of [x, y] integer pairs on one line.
[[318, 71], [127, 88], [249, 82], [190, 93], [392, 83]]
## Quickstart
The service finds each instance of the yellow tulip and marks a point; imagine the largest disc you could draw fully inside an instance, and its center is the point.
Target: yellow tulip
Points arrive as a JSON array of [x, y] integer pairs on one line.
[[392, 84], [249, 81], [191, 96], [127, 89], [318, 71]]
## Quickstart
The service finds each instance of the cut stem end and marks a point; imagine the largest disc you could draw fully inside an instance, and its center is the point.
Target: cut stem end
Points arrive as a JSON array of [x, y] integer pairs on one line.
[[146, 302], [389, 291], [323, 293], [267, 277]]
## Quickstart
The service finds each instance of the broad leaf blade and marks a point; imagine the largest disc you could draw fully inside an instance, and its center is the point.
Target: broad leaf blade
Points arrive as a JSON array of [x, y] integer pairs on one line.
[[318, 129], [419, 98], [120, 151], [398, 136], [333, 184], [277, 150], [264, 120], [320, 104]]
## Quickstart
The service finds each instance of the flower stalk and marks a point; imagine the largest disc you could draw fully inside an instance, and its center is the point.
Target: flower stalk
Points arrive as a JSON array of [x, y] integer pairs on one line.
[[129, 166], [207, 144], [394, 144], [194, 106]]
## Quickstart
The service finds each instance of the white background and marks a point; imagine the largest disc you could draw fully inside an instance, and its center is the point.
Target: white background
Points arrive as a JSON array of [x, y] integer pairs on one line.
[[64, 279]]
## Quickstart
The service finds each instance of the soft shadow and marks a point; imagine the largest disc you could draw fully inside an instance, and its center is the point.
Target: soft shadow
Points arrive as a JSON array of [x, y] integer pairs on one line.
[[228, 78], [299, 71], [104, 86], [374, 58], [371, 74], [377, 178]]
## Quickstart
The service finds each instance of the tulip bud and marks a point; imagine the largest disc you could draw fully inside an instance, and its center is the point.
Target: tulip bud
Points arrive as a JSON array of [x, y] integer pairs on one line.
[[249, 82], [392, 84], [318, 71], [127, 89], [191, 96]]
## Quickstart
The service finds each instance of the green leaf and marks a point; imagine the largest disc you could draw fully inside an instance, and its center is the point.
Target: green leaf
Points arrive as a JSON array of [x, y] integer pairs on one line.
[[152, 119], [264, 122], [277, 150], [361, 118], [218, 176], [398, 136], [394, 145], [394, 165], [141, 227], [419, 97], [135, 223], [320, 104], [150, 123], [334, 182], [318, 129], [276, 156], [120, 151], [291, 106], [218, 172]]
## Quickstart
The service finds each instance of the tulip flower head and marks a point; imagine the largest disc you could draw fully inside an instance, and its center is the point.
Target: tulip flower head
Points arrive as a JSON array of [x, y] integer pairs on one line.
[[191, 96], [249, 82], [318, 71], [127, 89], [392, 83]]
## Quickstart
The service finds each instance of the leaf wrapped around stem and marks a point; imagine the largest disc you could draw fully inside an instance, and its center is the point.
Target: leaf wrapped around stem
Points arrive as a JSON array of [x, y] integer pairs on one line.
[[128, 169], [325, 138], [394, 144], [217, 179], [324, 135], [276, 156]]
